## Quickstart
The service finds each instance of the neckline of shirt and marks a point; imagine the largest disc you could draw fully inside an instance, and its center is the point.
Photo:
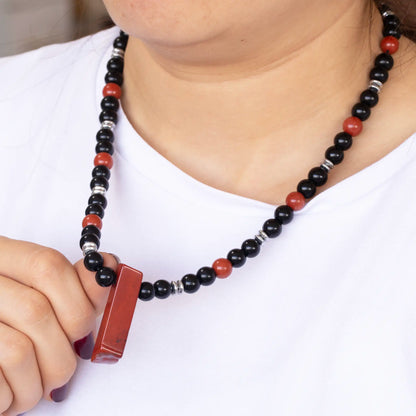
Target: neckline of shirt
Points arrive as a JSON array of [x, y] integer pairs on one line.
[[132, 149]]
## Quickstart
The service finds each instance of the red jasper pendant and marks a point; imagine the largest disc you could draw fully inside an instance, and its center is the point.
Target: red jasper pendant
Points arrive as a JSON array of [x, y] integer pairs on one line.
[[118, 314]]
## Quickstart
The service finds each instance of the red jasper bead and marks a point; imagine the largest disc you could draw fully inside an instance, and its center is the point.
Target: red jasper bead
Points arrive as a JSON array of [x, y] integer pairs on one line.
[[389, 44], [296, 201], [104, 159], [92, 219], [222, 268], [352, 125], [112, 89]]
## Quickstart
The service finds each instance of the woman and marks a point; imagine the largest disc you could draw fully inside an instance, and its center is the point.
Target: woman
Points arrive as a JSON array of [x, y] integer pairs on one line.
[[225, 107]]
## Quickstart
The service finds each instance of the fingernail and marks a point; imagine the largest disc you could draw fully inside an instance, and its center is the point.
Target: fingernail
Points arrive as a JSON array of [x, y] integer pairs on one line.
[[116, 257], [84, 347], [58, 395]]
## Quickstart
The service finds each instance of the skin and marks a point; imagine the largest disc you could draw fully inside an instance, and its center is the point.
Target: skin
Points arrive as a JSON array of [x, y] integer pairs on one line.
[[245, 99]]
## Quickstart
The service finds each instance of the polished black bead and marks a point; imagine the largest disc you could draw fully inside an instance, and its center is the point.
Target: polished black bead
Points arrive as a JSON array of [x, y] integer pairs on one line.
[[104, 146], [115, 64], [250, 248], [108, 115], [91, 229], [190, 283], [334, 155], [110, 103], [120, 42], [105, 276], [98, 199], [369, 97], [114, 77], [95, 209], [206, 276], [89, 238], [307, 188], [343, 141], [272, 228], [100, 181], [362, 111], [392, 31], [105, 134], [101, 171], [380, 74], [318, 176], [384, 60], [284, 214], [93, 261], [147, 291], [391, 20], [162, 289], [237, 257]]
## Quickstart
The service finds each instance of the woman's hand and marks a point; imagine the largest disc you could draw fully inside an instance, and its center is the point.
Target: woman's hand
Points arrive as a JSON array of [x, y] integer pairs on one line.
[[46, 304]]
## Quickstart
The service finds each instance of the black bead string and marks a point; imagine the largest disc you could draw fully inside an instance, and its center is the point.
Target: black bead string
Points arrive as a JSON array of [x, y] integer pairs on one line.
[[272, 227]]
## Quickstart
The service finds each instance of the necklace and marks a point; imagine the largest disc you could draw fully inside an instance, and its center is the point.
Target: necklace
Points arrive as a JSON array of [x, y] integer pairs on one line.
[[126, 284]]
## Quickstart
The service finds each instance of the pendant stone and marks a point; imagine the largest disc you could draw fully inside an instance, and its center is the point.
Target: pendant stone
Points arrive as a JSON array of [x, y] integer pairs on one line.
[[117, 317]]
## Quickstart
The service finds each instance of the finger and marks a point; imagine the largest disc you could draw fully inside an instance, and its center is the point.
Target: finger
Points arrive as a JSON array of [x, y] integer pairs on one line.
[[29, 311], [20, 369], [6, 394], [50, 273], [97, 294]]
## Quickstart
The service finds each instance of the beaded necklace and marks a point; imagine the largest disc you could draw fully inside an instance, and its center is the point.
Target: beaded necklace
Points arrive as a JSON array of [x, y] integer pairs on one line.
[[126, 284]]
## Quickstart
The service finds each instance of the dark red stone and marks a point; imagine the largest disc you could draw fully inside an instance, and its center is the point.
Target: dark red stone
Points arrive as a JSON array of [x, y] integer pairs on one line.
[[296, 201], [222, 267], [104, 159], [112, 89], [389, 44], [352, 125], [118, 314], [92, 219]]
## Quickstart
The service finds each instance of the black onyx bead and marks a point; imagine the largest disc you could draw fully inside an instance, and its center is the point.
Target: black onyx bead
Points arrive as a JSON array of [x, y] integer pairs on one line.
[[91, 229], [318, 176], [206, 276], [162, 289], [147, 292], [384, 60], [272, 228], [105, 276], [108, 115], [100, 181], [93, 261], [101, 171], [369, 97], [392, 31], [104, 146], [98, 199], [334, 155], [307, 188], [391, 20], [95, 209], [284, 214], [343, 140], [105, 134], [237, 257], [190, 283], [379, 73], [114, 77], [115, 64], [361, 111], [250, 248], [110, 103], [120, 42], [89, 238]]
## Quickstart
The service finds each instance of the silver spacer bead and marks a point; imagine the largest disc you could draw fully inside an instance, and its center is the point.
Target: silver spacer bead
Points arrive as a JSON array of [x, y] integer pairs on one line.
[[327, 164], [98, 190], [387, 13], [262, 236], [117, 53], [376, 84], [177, 287], [108, 124], [87, 247]]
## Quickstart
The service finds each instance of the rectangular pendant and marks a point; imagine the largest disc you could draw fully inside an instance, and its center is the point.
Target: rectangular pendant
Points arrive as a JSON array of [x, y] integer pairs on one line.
[[117, 317]]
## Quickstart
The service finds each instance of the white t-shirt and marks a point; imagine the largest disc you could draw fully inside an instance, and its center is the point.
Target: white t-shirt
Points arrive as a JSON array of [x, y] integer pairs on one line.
[[322, 322]]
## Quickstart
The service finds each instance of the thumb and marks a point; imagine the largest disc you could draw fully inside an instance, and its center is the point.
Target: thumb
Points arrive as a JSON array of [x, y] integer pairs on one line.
[[97, 294]]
